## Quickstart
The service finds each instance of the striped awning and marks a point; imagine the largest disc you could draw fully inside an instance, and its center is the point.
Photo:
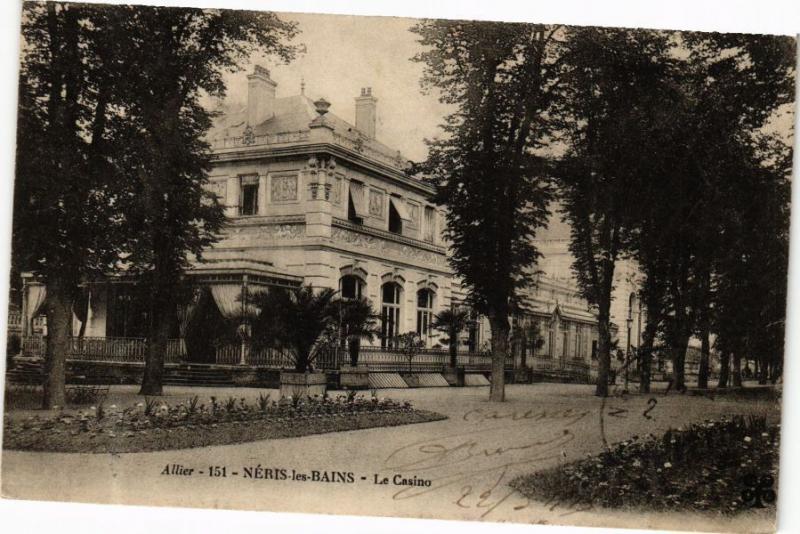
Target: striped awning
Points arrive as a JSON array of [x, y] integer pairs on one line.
[[357, 196]]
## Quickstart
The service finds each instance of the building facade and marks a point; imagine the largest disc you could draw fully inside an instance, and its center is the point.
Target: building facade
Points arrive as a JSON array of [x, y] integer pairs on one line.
[[313, 199]]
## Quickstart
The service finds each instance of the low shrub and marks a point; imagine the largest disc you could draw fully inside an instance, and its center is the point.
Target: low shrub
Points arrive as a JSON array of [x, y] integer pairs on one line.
[[157, 425], [725, 466]]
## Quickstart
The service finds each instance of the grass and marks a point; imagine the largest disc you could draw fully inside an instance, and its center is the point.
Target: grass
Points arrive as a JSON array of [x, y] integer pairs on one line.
[[155, 425], [723, 466]]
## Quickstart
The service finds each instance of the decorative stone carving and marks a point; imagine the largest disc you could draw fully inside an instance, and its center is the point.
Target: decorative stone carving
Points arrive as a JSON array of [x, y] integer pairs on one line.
[[387, 248], [248, 137], [336, 189], [375, 203], [284, 188], [262, 235]]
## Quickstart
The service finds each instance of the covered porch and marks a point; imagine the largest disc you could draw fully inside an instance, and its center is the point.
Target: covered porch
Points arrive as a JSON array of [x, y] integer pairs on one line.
[[211, 324]]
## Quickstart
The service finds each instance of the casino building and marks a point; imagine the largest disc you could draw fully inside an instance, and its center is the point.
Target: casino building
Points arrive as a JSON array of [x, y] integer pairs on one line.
[[315, 199]]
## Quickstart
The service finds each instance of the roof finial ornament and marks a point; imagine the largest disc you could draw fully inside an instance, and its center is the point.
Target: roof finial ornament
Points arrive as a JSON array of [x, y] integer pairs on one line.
[[322, 106], [302, 85]]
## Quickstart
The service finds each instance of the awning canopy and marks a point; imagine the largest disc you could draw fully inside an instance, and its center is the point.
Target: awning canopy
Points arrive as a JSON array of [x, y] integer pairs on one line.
[[238, 270], [400, 206], [357, 197]]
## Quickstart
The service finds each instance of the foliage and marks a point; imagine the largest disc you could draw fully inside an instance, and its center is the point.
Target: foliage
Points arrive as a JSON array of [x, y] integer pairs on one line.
[[501, 79], [720, 200], [66, 226], [452, 322], [78, 395], [615, 109], [357, 321], [179, 55], [111, 167], [295, 319], [715, 465], [409, 343], [159, 425]]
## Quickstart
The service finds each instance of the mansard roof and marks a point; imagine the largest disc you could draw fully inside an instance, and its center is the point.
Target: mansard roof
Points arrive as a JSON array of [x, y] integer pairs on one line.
[[292, 115]]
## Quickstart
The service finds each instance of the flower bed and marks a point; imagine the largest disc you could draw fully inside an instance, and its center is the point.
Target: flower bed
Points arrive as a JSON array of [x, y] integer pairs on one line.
[[724, 466], [155, 425]]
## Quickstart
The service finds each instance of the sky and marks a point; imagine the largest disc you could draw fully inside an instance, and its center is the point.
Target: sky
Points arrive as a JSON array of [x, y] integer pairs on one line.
[[346, 53]]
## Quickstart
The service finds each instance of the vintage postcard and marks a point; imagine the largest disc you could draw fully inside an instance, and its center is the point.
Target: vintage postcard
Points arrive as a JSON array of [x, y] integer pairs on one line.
[[418, 268]]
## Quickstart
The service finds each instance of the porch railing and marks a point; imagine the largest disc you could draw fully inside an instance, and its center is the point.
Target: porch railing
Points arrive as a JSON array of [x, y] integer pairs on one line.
[[427, 360], [134, 350]]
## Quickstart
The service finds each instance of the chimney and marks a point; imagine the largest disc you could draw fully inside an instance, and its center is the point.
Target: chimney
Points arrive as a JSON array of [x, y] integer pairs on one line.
[[365, 112], [260, 96]]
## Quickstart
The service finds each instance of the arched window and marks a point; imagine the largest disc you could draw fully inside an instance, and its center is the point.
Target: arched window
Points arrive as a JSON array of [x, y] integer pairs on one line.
[[351, 287], [390, 313], [424, 312]]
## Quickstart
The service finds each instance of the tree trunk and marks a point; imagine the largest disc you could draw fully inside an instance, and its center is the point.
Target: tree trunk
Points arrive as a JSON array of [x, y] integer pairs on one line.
[[646, 357], [679, 347], [603, 352], [705, 354], [724, 369], [500, 329], [736, 371], [765, 368], [453, 345], [354, 346], [162, 310], [58, 309]]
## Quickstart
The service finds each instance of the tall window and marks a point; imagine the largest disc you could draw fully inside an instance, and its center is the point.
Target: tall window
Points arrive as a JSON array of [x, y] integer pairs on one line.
[[248, 204], [390, 313], [351, 287], [564, 339], [395, 222], [430, 224], [578, 341], [424, 312], [355, 203]]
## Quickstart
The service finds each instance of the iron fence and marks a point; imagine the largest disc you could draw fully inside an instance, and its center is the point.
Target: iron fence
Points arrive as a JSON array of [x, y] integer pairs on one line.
[[134, 350]]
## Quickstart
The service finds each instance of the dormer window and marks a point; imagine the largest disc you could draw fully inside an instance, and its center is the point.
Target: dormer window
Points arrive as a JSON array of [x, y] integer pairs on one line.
[[249, 195]]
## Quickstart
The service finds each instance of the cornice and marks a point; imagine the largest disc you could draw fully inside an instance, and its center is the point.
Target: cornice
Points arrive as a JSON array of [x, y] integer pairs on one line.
[[377, 168]]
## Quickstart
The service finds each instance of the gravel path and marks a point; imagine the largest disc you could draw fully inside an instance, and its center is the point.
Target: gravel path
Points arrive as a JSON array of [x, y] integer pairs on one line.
[[458, 468]]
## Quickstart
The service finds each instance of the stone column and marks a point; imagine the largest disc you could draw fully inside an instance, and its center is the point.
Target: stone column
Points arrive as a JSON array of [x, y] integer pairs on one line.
[[318, 205], [232, 197], [263, 183]]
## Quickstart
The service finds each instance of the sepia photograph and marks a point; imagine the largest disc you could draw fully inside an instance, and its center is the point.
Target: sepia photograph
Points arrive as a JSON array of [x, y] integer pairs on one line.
[[432, 268]]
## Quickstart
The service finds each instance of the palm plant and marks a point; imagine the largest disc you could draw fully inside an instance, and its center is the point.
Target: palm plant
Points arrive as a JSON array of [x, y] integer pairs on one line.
[[294, 319], [357, 321], [452, 322]]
